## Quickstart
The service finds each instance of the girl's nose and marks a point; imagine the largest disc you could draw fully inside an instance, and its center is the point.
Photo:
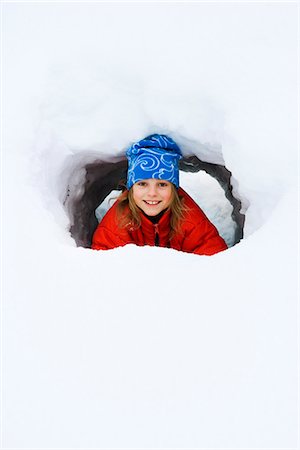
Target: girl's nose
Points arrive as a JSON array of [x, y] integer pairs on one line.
[[152, 191]]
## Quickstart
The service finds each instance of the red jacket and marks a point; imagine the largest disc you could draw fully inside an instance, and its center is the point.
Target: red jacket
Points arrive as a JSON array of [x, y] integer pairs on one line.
[[198, 234]]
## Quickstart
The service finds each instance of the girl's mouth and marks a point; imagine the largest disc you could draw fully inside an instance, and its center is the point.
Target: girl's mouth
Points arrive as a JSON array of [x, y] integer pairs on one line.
[[151, 203]]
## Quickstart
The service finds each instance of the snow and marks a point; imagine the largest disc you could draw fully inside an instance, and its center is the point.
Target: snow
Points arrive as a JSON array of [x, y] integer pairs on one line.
[[150, 347]]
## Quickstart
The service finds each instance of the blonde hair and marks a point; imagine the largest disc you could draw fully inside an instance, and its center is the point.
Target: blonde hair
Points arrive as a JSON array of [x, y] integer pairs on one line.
[[129, 214]]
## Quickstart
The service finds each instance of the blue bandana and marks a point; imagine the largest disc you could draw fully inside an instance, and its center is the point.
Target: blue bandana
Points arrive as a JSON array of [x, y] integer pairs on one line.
[[156, 156]]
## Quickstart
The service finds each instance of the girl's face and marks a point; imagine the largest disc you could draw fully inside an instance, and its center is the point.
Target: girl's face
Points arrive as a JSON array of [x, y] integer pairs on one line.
[[152, 196]]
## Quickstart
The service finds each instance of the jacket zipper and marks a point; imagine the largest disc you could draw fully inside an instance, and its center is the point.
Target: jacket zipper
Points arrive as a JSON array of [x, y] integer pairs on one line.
[[156, 235]]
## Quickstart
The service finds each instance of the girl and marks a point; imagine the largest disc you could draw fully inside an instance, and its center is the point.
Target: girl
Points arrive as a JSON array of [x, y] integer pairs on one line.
[[154, 210]]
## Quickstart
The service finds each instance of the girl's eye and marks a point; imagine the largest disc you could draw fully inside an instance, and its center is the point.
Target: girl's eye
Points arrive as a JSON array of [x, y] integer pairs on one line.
[[141, 183], [162, 184]]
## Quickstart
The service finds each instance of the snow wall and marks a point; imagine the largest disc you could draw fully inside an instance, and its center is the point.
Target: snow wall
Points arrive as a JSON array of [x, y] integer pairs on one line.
[[149, 347]]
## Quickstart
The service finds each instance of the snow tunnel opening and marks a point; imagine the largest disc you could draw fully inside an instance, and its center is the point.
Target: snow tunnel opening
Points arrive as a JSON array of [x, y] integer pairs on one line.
[[92, 185]]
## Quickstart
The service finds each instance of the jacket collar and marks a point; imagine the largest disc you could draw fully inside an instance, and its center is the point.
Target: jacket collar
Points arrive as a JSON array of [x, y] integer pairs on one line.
[[154, 219], [163, 221]]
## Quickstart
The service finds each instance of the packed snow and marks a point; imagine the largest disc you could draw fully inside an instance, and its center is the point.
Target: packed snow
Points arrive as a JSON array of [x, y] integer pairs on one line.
[[144, 347]]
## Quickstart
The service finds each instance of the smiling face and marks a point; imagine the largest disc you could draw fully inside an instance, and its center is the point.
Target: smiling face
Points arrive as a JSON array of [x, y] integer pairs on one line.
[[152, 196]]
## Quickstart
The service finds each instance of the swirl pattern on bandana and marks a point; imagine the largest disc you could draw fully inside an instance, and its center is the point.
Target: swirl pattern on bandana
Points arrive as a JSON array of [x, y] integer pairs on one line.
[[157, 157]]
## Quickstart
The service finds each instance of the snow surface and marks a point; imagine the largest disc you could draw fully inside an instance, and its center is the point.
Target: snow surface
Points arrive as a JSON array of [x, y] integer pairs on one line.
[[149, 347]]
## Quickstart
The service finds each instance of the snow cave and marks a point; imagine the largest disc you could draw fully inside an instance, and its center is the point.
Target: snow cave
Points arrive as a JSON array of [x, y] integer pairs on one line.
[[147, 347], [101, 181]]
